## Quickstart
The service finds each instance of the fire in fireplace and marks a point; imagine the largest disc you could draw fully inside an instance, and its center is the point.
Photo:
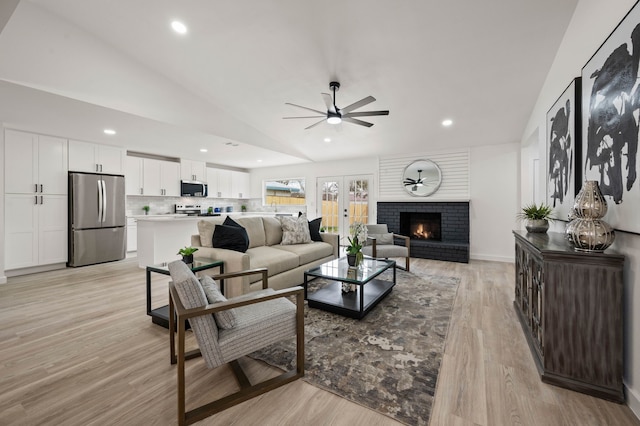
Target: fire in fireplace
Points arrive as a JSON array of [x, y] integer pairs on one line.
[[421, 226]]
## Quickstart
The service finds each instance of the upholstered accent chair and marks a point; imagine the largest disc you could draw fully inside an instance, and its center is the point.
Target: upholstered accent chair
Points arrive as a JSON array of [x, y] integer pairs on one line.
[[382, 243], [226, 330]]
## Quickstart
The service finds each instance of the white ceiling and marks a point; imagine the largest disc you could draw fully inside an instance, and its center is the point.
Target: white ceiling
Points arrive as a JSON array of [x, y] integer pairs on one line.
[[74, 67]]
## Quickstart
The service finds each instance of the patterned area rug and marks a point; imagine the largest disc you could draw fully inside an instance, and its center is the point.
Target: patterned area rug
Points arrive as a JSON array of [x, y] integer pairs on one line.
[[389, 360]]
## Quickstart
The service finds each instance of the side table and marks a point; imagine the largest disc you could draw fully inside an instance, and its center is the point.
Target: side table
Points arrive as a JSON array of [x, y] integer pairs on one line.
[[160, 315]]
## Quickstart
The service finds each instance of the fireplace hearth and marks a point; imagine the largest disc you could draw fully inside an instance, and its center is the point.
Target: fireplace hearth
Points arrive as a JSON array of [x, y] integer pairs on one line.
[[437, 230]]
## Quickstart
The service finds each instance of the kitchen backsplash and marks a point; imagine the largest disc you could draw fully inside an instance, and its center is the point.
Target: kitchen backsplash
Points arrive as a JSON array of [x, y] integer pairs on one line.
[[163, 205]]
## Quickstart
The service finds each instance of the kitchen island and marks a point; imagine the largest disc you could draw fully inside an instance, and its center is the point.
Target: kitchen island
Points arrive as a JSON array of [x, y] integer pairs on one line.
[[160, 237]]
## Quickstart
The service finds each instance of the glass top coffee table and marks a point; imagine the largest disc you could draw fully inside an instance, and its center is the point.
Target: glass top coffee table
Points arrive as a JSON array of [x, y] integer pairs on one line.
[[160, 315], [370, 287]]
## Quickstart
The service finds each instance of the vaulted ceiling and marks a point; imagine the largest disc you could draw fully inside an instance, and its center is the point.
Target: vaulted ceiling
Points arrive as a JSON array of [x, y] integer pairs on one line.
[[75, 67]]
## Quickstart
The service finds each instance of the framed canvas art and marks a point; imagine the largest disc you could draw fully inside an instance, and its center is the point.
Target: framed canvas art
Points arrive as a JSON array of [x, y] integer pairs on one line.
[[611, 107], [563, 151]]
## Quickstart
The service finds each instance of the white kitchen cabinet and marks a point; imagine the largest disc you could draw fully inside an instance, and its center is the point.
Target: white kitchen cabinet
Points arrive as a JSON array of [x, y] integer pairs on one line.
[[193, 170], [35, 164], [91, 157], [35, 230], [132, 234], [161, 177], [240, 185], [219, 181], [133, 176]]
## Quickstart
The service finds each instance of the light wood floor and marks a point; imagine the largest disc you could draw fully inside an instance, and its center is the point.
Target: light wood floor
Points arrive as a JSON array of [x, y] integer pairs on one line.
[[77, 348]]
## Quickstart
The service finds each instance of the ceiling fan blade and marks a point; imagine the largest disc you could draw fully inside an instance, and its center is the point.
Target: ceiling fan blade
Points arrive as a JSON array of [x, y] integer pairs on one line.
[[365, 113], [315, 124], [356, 105], [308, 116], [328, 102], [309, 109], [355, 121], [409, 180]]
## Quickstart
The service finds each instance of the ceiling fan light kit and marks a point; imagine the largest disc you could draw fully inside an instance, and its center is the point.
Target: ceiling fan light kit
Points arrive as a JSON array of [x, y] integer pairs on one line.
[[335, 115]]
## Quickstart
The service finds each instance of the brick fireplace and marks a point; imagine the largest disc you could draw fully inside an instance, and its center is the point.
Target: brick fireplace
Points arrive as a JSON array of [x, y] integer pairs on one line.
[[438, 230]]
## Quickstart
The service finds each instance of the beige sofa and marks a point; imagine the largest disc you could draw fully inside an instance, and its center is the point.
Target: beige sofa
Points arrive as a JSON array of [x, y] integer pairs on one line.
[[286, 263]]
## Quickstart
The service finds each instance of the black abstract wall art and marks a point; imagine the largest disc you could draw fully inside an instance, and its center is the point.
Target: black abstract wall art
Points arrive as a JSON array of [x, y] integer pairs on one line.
[[563, 151], [611, 113]]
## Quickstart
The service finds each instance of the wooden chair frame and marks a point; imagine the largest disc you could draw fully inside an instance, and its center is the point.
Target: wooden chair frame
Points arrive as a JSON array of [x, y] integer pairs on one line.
[[178, 316], [407, 243]]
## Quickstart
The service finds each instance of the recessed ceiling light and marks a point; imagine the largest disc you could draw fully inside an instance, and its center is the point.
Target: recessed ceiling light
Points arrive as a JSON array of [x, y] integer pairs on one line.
[[109, 132], [259, 161], [447, 122], [327, 140], [179, 27], [203, 149]]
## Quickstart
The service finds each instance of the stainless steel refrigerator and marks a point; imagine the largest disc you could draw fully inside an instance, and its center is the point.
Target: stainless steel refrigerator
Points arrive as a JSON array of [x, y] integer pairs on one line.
[[97, 222]]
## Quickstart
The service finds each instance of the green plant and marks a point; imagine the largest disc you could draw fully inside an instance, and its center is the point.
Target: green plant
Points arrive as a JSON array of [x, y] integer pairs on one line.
[[146, 209], [187, 251], [210, 210], [243, 208], [359, 234], [536, 212]]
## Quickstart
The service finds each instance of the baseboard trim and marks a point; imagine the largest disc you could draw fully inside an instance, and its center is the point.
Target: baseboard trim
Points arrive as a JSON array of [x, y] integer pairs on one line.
[[35, 269], [633, 401], [491, 258]]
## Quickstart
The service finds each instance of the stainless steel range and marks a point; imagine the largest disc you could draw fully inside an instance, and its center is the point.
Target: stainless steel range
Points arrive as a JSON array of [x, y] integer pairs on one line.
[[189, 209]]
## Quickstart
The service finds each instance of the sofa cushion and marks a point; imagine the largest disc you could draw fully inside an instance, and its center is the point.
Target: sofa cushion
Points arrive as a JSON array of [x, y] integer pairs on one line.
[[308, 252], [205, 229], [230, 238], [255, 230], [295, 230], [276, 261], [272, 230], [224, 319]]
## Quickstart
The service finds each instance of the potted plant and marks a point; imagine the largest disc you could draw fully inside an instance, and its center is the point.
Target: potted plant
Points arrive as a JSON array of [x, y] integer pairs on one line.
[[243, 208], [354, 249], [187, 254], [146, 209], [536, 217], [210, 210]]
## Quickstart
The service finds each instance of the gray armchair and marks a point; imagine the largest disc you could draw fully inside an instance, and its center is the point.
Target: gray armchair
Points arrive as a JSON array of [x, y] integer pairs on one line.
[[381, 243], [227, 330]]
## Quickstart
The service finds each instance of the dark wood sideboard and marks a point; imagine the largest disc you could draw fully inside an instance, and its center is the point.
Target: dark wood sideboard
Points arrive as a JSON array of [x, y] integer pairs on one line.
[[570, 307]]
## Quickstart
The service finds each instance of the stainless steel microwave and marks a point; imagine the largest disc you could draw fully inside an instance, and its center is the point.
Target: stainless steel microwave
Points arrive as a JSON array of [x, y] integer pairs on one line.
[[192, 188]]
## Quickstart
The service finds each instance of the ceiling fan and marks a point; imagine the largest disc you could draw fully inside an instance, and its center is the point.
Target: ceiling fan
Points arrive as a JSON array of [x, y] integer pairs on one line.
[[335, 115], [414, 182]]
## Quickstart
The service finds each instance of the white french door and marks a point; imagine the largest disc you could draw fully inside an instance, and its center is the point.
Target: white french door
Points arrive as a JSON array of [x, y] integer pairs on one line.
[[343, 200]]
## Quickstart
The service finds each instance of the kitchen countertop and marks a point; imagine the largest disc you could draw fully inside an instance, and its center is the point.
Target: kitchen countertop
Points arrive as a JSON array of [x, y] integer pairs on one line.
[[183, 217]]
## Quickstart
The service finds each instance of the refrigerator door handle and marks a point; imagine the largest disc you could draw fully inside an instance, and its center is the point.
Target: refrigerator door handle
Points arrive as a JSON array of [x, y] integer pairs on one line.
[[104, 200], [100, 200]]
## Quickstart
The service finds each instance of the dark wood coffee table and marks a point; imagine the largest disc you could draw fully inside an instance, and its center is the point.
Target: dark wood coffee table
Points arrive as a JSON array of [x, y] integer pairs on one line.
[[369, 287]]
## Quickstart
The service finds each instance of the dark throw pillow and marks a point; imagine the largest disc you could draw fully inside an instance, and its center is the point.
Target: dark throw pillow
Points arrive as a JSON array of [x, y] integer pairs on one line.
[[314, 229], [230, 222], [231, 238]]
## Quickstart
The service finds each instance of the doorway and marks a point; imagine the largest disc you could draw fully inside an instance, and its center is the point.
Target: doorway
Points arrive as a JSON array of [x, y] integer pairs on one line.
[[343, 200]]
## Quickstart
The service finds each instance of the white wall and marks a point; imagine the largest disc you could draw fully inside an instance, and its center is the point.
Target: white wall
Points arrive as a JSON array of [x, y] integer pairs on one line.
[[494, 201], [493, 204], [3, 278], [592, 22]]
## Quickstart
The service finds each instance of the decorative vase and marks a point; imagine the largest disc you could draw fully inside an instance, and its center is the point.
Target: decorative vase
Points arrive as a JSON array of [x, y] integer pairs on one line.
[[355, 259], [187, 258], [537, 225], [586, 231], [348, 288]]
